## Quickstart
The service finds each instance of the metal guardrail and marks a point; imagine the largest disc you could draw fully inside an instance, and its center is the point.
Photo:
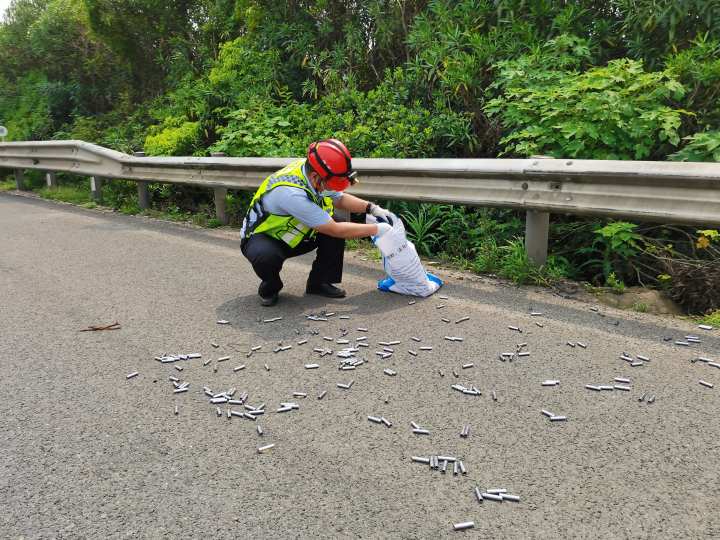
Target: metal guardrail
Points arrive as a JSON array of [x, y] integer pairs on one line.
[[669, 192]]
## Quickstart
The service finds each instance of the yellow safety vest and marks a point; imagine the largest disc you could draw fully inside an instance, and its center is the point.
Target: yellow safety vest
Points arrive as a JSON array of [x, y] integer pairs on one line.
[[285, 228]]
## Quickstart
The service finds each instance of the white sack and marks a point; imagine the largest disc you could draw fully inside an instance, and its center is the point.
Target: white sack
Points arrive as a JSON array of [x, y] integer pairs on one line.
[[402, 264]]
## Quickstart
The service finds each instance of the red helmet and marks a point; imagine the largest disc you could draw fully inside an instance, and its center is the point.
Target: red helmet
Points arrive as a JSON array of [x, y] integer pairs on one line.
[[331, 160]]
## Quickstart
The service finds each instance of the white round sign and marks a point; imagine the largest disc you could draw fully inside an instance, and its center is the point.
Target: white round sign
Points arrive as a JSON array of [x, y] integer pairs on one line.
[[3, 131]]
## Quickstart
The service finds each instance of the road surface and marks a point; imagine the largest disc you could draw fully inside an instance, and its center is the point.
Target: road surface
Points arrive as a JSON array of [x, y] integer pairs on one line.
[[89, 453]]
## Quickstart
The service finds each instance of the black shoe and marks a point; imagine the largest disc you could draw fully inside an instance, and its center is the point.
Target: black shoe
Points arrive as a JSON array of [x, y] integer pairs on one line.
[[325, 289], [269, 300]]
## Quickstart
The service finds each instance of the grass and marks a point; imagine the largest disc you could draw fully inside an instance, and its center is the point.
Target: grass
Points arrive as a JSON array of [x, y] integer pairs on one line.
[[365, 246], [173, 214], [713, 319], [7, 185], [511, 261], [204, 220], [69, 194], [201, 220], [640, 307], [129, 209]]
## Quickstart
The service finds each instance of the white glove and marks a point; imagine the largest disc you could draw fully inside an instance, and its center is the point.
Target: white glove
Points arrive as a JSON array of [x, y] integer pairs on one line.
[[382, 214], [383, 228]]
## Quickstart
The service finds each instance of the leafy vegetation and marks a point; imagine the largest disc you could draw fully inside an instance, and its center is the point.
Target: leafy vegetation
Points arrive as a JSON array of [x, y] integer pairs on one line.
[[712, 319], [701, 147], [617, 111], [71, 194], [622, 79], [7, 185]]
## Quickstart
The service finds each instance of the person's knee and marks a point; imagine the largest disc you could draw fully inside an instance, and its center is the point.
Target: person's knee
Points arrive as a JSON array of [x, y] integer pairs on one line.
[[268, 261], [263, 252]]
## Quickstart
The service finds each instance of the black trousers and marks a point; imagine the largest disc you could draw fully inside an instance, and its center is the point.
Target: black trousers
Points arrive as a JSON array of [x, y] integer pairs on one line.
[[267, 256]]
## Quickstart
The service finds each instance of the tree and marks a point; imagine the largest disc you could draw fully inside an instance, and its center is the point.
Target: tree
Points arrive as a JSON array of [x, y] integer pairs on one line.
[[150, 36]]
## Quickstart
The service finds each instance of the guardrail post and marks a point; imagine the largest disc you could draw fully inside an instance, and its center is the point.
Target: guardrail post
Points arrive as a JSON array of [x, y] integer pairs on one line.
[[537, 227], [51, 179], [341, 215], [142, 187], [143, 195], [96, 183], [19, 180], [220, 211]]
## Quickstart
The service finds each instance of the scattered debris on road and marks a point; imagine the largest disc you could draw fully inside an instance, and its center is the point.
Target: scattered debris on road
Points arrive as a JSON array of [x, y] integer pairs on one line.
[[352, 357], [113, 326]]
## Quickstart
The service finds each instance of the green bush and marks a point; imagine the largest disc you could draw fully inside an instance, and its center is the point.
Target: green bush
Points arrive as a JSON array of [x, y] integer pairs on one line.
[[512, 262], [698, 69], [421, 227], [388, 122], [243, 70], [488, 256], [25, 107], [652, 28], [265, 129], [124, 129], [7, 185], [382, 122], [68, 193], [712, 319], [702, 147], [175, 137], [121, 195], [611, 252], [618, 111], [466, 231]]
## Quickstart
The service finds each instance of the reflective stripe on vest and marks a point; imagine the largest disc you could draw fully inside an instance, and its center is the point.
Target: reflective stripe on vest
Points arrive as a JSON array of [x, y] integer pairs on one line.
[[285, 228]]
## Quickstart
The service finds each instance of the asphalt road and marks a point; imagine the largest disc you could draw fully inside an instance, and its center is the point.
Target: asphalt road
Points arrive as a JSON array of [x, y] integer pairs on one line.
[[87, 453]]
